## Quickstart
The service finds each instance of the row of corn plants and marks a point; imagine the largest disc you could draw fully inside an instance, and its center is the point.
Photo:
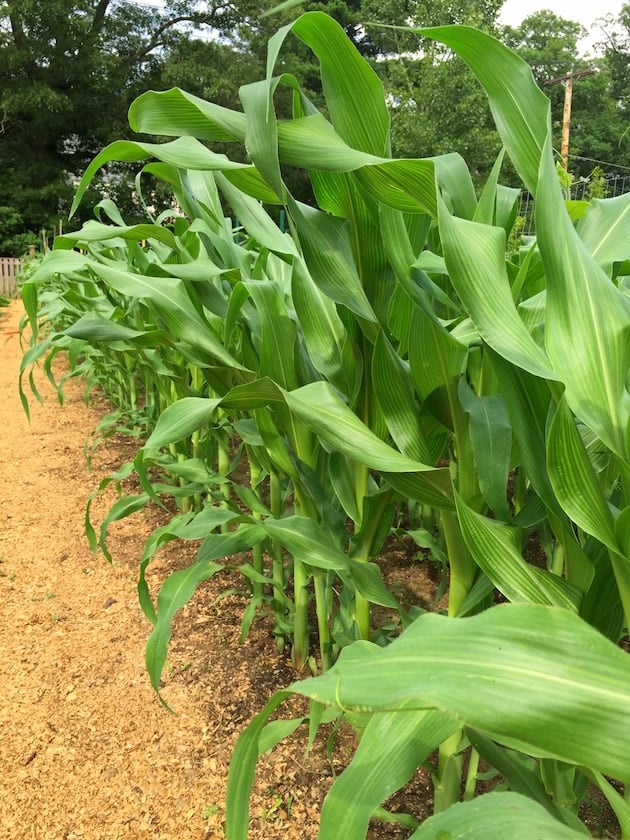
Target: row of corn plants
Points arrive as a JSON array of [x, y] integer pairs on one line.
[[383, 353]]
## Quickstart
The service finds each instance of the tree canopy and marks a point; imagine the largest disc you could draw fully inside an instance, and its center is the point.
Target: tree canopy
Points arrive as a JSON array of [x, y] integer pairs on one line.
[[68, 73]]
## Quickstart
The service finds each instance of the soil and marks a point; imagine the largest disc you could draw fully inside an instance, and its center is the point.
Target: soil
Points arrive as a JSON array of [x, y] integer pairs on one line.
[[86, 749]]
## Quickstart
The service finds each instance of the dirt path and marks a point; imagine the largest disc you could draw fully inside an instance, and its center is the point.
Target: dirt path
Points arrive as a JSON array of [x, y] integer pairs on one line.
[[86, 750]]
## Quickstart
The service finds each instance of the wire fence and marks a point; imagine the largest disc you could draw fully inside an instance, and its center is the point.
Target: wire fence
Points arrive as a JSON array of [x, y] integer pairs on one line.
[[581, 190]]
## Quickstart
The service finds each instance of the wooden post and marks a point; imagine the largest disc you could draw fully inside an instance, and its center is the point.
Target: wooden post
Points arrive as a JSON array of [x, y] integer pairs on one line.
[[567, 81], [566, 122]]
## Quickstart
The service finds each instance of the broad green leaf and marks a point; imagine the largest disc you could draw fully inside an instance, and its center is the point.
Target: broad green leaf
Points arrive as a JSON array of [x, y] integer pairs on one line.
[[172, 303], [520, 772], [308, 541], [493, 547], [243, 768], [254, 218], [181, 419], [327, 248], [528, 400], [587, 326], [124, 507], [433, 489], [180, 586], [520, 109], [353, 91], [174, 593], [485, 213], [475, 258], [184, 153], [95, 327], [278, 333], [392, 746], [254, 394], [342, 475], [97, 232], [574, 480], [436, 357], [605, 230], [325, 413], [261, 129], [325, 335], [502, 816], [491, 439], [176, 113], [532, 692], [369, 582], [393, 387]]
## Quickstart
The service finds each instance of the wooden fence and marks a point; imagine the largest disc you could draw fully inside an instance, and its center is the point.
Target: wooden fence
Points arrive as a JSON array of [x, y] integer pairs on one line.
[[9, 269]]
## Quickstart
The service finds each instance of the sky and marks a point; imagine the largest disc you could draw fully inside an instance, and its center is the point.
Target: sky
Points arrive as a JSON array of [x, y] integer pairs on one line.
[[583, 11]]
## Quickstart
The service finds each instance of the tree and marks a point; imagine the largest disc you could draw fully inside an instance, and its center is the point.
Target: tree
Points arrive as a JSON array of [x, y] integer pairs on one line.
[[548, 43], [616, 46], [68, 72]]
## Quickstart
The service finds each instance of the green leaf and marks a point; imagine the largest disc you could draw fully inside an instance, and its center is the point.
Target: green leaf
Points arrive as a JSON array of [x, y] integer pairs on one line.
[[175, 592], [528, 400], [95, 327], [520, 109], [325, 335], [97, 232], [242, 770], [492, 545], [392, 746], [491, 438], [175, 113], [181, 419], [393, 387], [520, 772], [308, 541], [184, 153], [180, 586], [587, 326], [475, 258], [502, 816], [532, 692], [325, 413], [605, 230], [327, 248], [353, 91], [278, 333], [574, 480], [171, 301]]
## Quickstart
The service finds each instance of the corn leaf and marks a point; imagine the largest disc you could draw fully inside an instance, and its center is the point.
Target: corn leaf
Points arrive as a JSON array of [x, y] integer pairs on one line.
[[502, 816], [493, 547], [531, 691], [402, 740]]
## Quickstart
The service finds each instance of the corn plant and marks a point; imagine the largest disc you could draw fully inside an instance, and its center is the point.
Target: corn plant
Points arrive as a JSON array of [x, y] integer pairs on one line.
[[390, 350]]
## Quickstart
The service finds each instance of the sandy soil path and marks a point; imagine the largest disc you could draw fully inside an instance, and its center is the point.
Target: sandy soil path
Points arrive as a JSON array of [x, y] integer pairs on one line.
[[85, 748]]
